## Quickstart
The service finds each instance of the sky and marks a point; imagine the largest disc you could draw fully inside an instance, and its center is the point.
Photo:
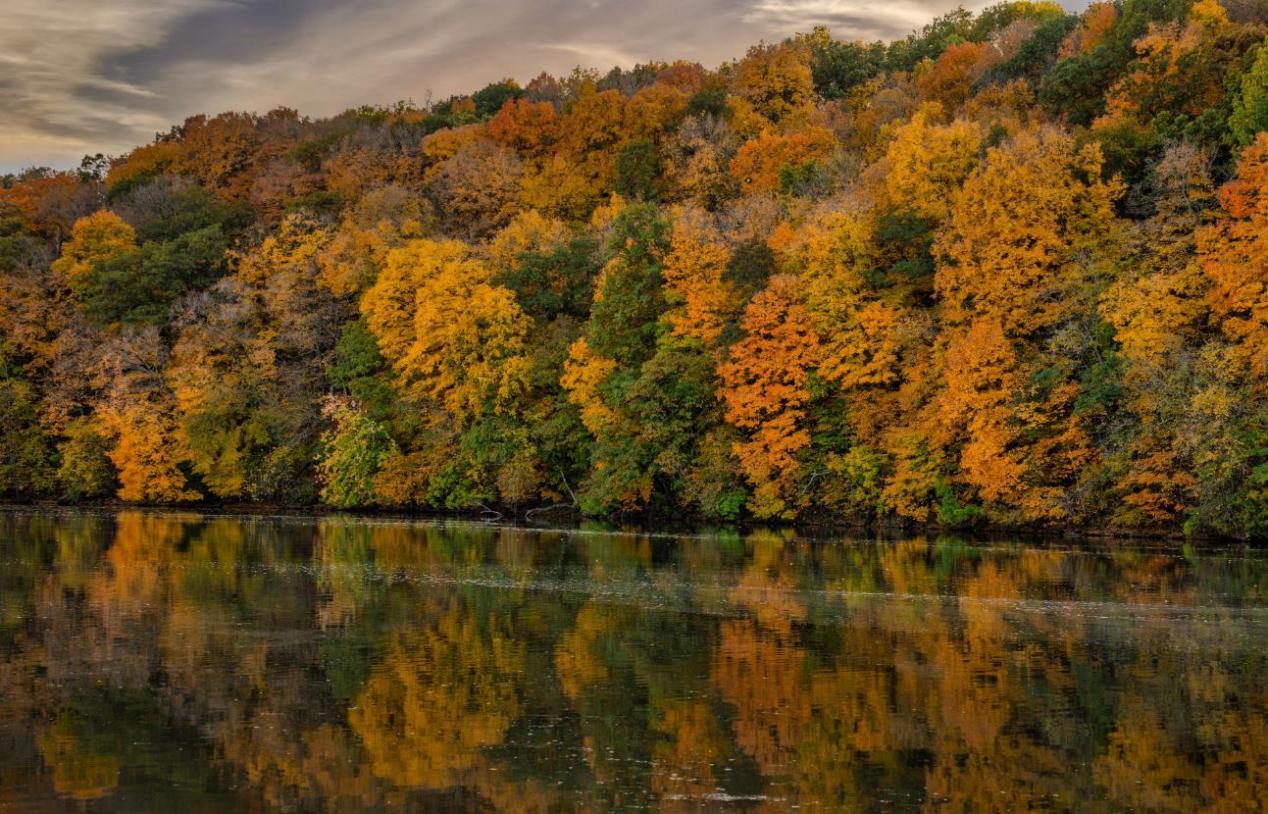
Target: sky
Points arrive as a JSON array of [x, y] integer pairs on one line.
[[85, 76]]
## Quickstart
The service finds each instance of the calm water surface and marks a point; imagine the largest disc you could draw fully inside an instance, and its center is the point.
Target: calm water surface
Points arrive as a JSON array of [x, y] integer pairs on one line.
[[184, 663]]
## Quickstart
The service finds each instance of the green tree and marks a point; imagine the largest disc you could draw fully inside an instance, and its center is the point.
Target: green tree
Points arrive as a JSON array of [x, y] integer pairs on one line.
[[353, 450], [1250, 109]]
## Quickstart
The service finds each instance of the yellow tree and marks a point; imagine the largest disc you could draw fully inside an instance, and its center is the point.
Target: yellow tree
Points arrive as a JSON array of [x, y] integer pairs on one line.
[[833, 254], [1024, 244], [776, 80], [94, 239], [450, 333], [149, 448], [927, 162], [1020, 232], [701, 302], [1160, 315]]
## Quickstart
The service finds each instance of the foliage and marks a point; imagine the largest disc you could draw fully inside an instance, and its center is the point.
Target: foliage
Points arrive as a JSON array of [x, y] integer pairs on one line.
[[353, 450], [1006, 269]]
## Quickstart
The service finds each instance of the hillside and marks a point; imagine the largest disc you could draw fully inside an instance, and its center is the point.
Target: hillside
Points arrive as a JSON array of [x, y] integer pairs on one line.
[[1010, 270]]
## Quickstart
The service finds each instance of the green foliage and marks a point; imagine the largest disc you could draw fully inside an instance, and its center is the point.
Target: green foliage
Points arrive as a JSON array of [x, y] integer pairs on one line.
[[838, 67], [489, 99], [996, 18], [750, 266], [930, 41], [802, 180], [854, 483], [140, 286], [951, 512], [1101, 374], [624, 321], [905, 240], [86, 471], [1037, 54], [167, 209], [353, 451], [1075, 87], [1250, 109], [360, 370], [710, 101], [638, 170], [248, 447], [642, 460], [558, 282]]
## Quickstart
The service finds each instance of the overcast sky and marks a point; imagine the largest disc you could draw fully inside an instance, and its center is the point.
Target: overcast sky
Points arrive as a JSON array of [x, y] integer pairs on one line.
[[87, 76]]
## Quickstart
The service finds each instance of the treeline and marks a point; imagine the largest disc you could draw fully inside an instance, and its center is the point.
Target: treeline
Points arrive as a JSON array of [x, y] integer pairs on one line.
[[1012, 269]]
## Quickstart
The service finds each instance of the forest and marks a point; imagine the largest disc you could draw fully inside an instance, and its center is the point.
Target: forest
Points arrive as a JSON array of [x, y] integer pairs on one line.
[[1008, 271]]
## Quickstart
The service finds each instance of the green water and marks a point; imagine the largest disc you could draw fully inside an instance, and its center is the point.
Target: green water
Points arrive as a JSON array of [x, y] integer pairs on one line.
[[188, 663]]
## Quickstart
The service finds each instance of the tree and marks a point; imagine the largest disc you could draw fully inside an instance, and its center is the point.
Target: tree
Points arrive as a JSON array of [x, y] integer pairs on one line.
[[353, 451], [928, 162], [96, 238], [148, 450], [451, 333], [765, 390], [86, 470], [1250, 109], [25, 456], [839, 67], [1017, 236], [776, 80], [758, 164], [703, 303], [1233, 253]]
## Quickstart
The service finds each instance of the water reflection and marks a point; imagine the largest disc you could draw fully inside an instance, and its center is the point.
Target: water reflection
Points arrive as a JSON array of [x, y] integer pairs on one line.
[[160, 662]]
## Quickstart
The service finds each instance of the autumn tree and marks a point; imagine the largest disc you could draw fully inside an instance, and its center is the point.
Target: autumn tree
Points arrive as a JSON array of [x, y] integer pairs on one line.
[[451, 334]]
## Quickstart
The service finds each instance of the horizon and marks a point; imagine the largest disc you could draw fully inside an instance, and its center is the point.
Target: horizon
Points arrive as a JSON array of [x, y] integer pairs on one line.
[[108, 84]]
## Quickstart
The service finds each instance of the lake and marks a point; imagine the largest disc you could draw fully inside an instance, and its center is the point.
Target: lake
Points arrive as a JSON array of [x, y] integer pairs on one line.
[[160, 662]]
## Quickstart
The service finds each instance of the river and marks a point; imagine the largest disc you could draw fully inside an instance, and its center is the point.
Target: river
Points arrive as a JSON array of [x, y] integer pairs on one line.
[[166, 662]]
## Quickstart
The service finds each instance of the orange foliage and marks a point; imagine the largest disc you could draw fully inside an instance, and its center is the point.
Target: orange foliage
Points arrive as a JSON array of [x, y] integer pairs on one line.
[[1094, 26], [529, 127], [758, 163], [764, 390], [949, 79], [1018, 233], [1233, 253]]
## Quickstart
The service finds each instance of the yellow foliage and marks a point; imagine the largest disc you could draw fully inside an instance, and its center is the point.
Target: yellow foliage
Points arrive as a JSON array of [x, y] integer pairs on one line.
[[584, 372], [927, 162], [1019, 234], [981, 382], [439, 696], [94, 239], [148, 449], [776, 80], [702, 303], [450, 334], [529, 231]]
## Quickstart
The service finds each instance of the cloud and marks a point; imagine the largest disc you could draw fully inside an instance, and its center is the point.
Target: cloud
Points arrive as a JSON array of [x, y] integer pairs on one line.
[[87, 76], [850, 18]]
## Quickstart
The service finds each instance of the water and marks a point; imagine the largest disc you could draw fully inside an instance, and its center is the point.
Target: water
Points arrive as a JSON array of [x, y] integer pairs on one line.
[[183, 663]]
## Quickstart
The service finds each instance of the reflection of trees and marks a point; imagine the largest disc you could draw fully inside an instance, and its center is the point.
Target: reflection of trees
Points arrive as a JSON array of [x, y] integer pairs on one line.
[[439, 695], [344, 665]]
